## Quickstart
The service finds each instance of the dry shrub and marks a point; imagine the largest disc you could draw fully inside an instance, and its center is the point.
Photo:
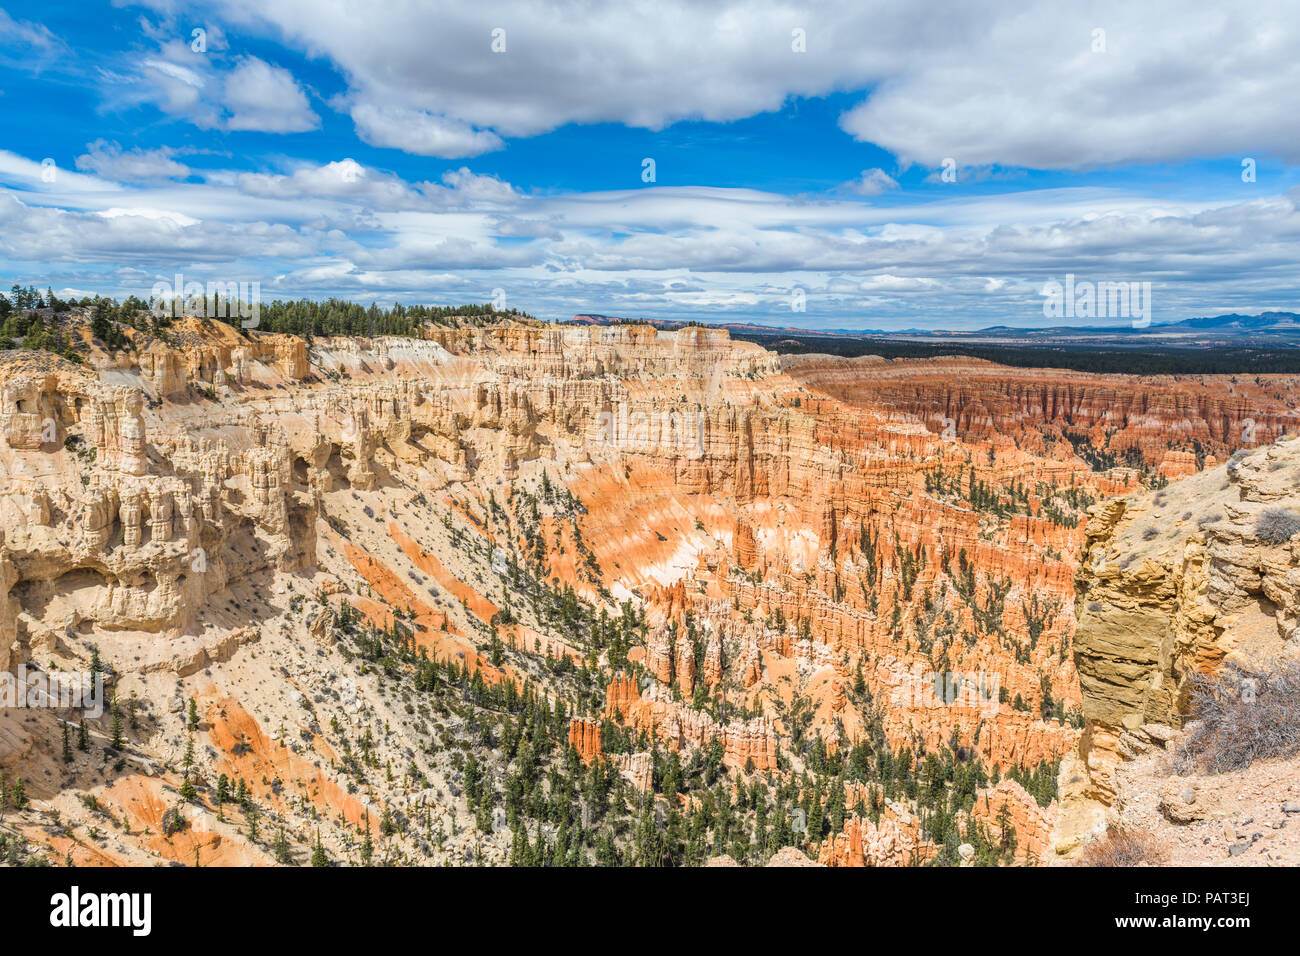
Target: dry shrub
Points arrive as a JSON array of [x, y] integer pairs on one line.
[[1124, 847], [1241, 716], [1277, 526]]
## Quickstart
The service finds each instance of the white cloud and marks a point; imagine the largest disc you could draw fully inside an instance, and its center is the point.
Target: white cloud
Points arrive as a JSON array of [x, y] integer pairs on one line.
[[55, 183], [1175, 81], [27, 45], [168, 216], [343, 179], [176, 89], [345, 228], [348, 182], [266, 98], [986, 83], [209, 89], [476, 188], [525, 228], [154, 237], [420, 132], [134, 165], [872, 182], [176, 71]]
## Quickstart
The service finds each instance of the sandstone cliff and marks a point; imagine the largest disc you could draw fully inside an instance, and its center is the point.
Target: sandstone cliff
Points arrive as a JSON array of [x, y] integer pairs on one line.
[[1174, 583]]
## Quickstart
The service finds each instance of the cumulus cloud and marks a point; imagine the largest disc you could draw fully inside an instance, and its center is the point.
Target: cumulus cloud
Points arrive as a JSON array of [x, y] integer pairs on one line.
[[341, 179], [266, 98], [474, 187], [984, 84], [211, 90], [1073, 88]]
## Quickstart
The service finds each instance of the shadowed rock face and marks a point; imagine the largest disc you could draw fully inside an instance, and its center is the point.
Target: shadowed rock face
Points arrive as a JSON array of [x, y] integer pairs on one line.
[[816, 555]]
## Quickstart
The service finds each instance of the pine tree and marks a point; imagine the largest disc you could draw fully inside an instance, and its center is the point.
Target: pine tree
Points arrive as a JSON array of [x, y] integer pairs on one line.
[[318, 857], [367, 845], [100, 327], [816, 820], [282, 848], [117, 726], [67, 746]]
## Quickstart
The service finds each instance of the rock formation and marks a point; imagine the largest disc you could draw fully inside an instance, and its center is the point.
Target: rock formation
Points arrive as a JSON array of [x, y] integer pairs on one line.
[[1171, 584], [765, 562]]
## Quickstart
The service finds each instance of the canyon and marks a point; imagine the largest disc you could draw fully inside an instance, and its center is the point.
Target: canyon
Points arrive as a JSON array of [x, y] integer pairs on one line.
[[896, 612]]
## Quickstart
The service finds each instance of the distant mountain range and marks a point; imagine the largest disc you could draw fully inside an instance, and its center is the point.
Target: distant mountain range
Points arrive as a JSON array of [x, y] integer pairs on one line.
[[1273, 328]]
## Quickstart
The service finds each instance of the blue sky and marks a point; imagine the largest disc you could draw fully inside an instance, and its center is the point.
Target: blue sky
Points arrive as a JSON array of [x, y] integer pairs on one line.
[[388, 152]]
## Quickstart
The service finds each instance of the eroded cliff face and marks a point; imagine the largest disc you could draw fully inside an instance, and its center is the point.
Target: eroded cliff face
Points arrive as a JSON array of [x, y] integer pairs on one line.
[[804, 561], [105, 529], [1171, 584], [1175, 422]]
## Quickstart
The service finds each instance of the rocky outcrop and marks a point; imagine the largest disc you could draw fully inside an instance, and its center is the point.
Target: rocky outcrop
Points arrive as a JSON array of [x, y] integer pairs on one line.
[[1008, 807], [584, 737], [112, 524], [1171, 584], [895, 840], [745, 743]]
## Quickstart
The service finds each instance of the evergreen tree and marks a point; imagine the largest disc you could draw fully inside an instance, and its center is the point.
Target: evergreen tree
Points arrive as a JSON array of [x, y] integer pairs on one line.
[[100, 326], [367, 845], [318, 857], [117, 726], [282, 848]]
